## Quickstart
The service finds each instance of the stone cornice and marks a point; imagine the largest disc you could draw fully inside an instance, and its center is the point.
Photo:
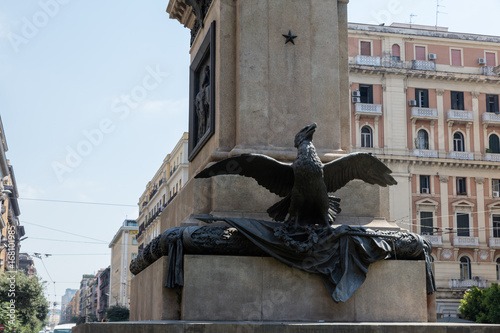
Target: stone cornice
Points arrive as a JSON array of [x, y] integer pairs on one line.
[[440, 162], [430, 75]]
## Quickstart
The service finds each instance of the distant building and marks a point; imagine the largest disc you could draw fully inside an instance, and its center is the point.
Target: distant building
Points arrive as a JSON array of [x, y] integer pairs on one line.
[[123, 250], [72, 310], [27, 264], [65, 300], [10, 228], [426, 102], [163, 187], [103, 279], [84, 300]]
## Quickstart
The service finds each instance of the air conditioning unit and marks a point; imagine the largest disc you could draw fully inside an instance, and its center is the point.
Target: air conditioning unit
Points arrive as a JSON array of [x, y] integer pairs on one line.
[[356, 100], [425, 190], [478, 278], [496, 194], [412, 102], [356, 93], [481, 61], [432, 56]]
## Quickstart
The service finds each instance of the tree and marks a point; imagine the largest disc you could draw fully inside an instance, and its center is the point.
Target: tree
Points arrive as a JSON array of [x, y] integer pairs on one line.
[[117, 313], [23, 299], [482, 306]]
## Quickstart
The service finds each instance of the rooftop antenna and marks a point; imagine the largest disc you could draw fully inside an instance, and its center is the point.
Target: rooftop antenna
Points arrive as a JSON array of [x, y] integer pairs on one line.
[[438, 12], [411, 18]]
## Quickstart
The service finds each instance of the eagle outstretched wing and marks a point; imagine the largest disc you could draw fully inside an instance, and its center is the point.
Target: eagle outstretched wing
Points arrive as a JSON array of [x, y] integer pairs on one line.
[[362, 166], [275, 176]]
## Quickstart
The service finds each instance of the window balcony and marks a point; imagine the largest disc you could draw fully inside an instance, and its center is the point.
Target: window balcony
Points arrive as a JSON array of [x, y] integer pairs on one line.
[[465, 241], [423, 65], [424, 113], [461, 155], [488, 70], [370, 110], [467, 284], [492, 157], [367, 60], [495, 242], [491, 119], [460, 116], [434, 240], [425, 153], [394, 63]]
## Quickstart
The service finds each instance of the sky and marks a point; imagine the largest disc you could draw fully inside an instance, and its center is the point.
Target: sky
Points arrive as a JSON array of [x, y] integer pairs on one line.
[[94, 95]]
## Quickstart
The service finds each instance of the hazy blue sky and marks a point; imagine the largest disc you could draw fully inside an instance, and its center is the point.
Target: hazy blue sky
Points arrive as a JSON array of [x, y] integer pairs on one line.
[[108, 80]]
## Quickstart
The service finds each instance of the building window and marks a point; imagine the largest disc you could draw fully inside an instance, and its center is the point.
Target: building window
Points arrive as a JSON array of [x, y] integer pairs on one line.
[[492, 103], [458, 142], [366, 137], [366, 93], [365, 48], [422, 139], [461, 186], [491, 59], [134, 241], [420, 53], [396, 52], [425, 184], [457, 100], [465, 269], [495, 186], [496, 225], [456, 57], [494, 144], [422, 98], [498, 269], [426, 225], [463, 225]]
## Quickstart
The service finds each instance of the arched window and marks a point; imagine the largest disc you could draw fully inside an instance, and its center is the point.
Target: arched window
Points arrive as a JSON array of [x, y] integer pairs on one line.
[[494, 144], [465, 271], [458, 142], [366, 137], [396, 54], [498, 269], [422, 139]]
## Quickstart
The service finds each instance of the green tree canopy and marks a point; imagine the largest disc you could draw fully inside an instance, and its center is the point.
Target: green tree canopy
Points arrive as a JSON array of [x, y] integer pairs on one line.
[[117, 313], [482, 306], [22, 301]]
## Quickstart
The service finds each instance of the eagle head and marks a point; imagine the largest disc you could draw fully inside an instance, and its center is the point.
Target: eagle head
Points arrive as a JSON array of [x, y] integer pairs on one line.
[[305, 134]]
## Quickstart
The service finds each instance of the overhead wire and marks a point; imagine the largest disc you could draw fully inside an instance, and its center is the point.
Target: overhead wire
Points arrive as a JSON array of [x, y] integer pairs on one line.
[[65, 232], [80, 202]]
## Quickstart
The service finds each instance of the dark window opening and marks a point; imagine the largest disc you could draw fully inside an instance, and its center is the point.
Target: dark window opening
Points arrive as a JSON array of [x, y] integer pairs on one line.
[[457, 100], [426, 226], [496, 226], [366, 48], [366, 93], [422, 98], [425, 185], [494, 144], [422, 139], [492, 103], [463, 225], [461, 186]]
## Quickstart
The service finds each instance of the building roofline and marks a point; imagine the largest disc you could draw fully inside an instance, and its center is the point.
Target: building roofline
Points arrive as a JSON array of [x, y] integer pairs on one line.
[[423, 32], [121, 230]]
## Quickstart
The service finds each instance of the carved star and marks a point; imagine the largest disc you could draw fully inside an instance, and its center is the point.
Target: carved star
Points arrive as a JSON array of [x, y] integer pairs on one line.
[[289, 37]]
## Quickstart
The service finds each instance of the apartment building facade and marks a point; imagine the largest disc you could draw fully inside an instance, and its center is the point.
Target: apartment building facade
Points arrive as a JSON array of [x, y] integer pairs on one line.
[[426, 102], [123, 250], [161, 190]]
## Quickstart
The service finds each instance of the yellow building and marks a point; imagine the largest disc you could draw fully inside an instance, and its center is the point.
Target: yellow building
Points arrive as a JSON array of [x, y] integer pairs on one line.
[[163, 187], [426, 101], [123, 250]]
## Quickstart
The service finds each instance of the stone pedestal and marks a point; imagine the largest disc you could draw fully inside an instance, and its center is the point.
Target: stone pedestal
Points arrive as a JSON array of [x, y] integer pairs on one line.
[[231, 288]]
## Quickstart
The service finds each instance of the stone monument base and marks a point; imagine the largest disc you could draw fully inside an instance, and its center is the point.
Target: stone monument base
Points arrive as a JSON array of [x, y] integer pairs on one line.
[[233, 288], [280, 327]]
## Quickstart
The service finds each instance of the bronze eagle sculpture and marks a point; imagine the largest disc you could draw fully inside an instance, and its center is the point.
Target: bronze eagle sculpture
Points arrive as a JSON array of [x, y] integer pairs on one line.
[[306, 182]]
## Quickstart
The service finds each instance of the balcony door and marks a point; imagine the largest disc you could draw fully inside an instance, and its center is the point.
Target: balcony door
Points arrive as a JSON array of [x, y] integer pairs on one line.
[[463, 225], [422, 98], [494, 144]]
